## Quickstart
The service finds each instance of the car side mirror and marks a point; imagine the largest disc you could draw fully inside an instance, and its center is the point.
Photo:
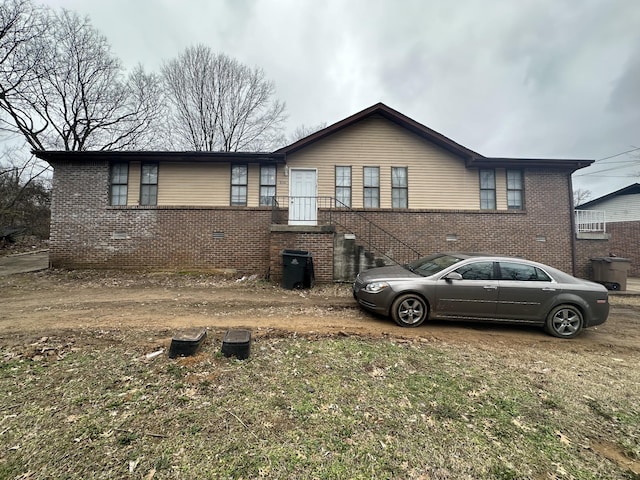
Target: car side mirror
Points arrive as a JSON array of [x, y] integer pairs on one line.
[[452, 276]]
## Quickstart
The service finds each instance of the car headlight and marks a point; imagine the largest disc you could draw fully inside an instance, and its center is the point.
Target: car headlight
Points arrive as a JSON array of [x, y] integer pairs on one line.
[[376, 287]]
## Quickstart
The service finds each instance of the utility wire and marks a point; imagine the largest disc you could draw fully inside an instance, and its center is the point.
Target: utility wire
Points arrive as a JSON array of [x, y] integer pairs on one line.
[[618, 154], [634, 162], [607, 170]]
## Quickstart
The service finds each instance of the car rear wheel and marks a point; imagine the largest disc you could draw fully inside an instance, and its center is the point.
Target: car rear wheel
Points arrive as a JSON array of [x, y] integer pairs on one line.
[[564, 321], [409, 310]]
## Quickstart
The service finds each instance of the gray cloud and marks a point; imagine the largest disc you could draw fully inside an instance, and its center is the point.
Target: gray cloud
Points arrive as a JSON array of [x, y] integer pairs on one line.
[[625, 96], [552, 78]]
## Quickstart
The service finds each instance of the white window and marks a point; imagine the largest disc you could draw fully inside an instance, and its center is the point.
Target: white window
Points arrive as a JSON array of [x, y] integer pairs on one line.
[[487, 189], [149, 184], [399, 187], [119, 183], [371, 187], [514, 189], [343, 187], [267, 185], [239, 177]]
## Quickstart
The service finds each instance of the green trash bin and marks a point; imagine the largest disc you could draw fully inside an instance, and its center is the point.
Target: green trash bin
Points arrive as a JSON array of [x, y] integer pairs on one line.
[[297, 269], [611, 272]]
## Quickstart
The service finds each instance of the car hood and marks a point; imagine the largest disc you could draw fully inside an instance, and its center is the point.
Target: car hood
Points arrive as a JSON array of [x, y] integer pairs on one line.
[[381, 274]]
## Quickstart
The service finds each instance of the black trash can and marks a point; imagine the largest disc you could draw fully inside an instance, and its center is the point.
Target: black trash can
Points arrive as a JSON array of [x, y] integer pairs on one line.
[[297, 269]]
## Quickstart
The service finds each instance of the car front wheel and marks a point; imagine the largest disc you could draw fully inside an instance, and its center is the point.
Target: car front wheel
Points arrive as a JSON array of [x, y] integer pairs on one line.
[[564, 321], [409, 310]]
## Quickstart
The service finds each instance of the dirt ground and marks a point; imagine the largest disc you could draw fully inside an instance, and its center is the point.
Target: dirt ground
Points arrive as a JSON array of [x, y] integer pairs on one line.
[[51, 312], [149, 308]]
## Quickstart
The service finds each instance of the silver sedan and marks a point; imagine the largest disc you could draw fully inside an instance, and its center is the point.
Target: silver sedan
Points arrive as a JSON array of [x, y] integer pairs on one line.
[[457, 286]]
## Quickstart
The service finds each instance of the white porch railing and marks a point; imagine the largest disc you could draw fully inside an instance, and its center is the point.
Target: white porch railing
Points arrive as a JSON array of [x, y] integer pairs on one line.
[[591, 221]]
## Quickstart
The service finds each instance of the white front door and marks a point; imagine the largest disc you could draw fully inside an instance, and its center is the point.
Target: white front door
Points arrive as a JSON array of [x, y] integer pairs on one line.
[[303, 187]]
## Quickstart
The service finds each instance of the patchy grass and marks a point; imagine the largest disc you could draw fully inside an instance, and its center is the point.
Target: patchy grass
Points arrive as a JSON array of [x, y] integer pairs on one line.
[[322, 407]]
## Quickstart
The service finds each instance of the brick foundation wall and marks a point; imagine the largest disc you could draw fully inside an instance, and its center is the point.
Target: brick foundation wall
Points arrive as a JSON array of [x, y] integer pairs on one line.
[[625, 243], [86, 232], [586, 249], [317, 241], [500, 234], [541, 232]]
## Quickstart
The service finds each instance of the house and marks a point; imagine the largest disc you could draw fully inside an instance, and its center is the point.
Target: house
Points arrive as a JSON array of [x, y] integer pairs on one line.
[[374, 188], [618, 215]]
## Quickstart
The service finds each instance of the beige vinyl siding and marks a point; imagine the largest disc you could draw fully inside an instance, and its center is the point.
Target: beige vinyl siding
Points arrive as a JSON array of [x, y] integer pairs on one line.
[[253, 183], [133, 189], [282, 180], [194, 184], [436, 178], [199, 184], [501, 189]]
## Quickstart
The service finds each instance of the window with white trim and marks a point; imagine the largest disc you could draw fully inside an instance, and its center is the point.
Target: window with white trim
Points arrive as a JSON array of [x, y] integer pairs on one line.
[[487, 189], [267, 185], [343, 187], [149, 184], [399, 187], [239, 175], [514, 190], [371, 185], [119, 183]]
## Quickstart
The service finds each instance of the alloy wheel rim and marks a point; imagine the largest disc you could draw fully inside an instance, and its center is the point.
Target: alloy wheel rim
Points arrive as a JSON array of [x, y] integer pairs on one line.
[[566, 322], [411, 311]]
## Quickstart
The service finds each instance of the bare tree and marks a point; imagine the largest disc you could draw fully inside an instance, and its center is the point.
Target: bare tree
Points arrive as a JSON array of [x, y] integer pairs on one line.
[[580, 196], [21, 23], [303, 131], [74, 95], [21, 26], [218, 104], [192, 98], [145, 125], [24, 195]]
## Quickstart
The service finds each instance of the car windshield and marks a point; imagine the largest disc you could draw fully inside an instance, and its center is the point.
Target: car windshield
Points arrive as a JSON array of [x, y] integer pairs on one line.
[[427, 266]]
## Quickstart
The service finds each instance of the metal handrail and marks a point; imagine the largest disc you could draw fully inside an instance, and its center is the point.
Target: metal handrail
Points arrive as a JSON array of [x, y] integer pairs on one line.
[[375, 238]]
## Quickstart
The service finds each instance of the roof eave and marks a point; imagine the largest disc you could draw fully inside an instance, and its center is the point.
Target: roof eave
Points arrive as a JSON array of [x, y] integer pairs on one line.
[[391, 115], [557, 163], [151, 156], [632, 189]]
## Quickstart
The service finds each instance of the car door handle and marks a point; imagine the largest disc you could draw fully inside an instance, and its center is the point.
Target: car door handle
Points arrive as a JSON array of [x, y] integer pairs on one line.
[[548, 289], [490, 287]]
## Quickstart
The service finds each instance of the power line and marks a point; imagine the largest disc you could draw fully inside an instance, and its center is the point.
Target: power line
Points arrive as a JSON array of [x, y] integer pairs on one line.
[[618, 154], [637, 162], [632, 162], [622, 161], [621, 176]]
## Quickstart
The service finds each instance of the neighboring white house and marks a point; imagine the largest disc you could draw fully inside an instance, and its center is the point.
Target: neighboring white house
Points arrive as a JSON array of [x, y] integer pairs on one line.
[[617, 214], [620, 206]]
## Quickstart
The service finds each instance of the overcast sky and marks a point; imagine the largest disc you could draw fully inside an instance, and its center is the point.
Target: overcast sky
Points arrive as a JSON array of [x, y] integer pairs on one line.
[[506, 78]]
